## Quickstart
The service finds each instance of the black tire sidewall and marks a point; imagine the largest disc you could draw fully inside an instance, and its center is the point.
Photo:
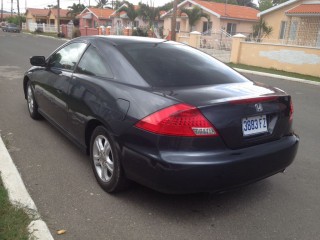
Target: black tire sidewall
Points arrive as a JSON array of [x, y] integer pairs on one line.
[[35, 114]]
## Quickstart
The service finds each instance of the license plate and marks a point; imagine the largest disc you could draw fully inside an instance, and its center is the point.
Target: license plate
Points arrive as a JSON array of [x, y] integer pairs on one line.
[[254, 125]]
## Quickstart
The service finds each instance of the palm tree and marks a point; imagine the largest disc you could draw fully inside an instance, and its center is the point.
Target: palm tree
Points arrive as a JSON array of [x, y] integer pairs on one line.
[[149, 13], [75, 9], [194, 15], [102, 3], [132, 13]]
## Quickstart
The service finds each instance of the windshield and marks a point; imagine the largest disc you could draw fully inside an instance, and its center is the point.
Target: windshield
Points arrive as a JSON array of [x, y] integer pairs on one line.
[[170, 64]]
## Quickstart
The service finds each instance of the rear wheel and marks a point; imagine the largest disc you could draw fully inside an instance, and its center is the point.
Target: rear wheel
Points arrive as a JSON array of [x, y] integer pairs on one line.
[[105, 161], [32, 104]]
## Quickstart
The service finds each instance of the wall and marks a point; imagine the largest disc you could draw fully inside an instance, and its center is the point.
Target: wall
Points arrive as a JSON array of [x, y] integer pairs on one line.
[[244, 27], [303, 60], [274, 19]]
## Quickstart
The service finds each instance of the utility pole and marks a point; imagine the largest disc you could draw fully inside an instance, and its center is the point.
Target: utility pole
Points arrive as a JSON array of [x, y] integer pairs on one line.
[[1, 10], [58, 18], [19, 19], [11, 7], [174, 20]]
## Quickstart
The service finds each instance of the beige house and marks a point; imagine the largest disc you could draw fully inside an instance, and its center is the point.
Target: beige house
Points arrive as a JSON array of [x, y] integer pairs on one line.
[[295, 22], [232, 19], [35, 15], [47, 16], [65, 17]]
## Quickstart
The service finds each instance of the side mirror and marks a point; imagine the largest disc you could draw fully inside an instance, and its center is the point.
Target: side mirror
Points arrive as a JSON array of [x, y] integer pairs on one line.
[[38, 61]]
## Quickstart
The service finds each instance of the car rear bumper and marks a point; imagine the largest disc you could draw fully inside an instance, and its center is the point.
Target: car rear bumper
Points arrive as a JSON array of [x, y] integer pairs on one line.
[[189, 172]]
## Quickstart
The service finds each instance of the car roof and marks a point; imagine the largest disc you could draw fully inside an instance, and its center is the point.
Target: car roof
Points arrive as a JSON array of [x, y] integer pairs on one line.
[[121, 40]]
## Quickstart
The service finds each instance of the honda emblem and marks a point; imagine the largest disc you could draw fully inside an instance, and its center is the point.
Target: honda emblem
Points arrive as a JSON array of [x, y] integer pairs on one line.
[[258, 107]]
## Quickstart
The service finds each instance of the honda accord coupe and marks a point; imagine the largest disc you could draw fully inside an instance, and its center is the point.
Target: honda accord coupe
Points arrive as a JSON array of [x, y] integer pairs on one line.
[[162, 114]]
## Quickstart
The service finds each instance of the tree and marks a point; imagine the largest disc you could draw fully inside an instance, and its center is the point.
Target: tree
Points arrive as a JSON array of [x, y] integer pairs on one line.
[[118, 4], [265, 4], [16, 19], [102, 3], [132, 13], [194, 15], [149, 13], [277, 2], [75, 9], [261, 30], [52, 6], [168, 6]]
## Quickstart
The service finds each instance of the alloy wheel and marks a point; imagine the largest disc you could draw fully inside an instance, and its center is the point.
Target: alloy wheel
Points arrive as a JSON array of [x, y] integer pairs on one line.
[[103, 158]]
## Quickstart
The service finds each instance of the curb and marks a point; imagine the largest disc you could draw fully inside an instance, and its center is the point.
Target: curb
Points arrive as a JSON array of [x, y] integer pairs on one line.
[[19, 196], [44, 36], [278, 76]]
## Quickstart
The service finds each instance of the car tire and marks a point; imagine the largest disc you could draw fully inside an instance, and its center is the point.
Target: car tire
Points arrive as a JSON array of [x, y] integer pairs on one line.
[[31, 103], [105, 161]]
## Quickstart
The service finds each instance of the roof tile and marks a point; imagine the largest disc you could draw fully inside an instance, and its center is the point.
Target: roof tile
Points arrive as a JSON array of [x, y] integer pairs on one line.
[[305, 9], [102, 12], [230, 11]]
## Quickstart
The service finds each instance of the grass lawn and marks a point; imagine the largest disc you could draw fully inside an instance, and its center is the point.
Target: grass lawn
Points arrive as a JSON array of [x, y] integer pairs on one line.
[[273, 71], [13, 221]]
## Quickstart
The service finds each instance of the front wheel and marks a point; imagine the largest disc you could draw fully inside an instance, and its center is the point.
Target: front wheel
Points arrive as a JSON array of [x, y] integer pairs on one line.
[[105, 161], [32, 104]]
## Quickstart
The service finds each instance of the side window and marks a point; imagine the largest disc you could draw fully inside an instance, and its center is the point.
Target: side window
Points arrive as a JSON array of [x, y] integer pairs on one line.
[[67, 57], [92, 64]]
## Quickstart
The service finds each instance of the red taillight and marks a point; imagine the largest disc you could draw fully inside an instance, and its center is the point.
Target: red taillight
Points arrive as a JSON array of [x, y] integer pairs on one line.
[[291, 110], [254, 100], [178, 120]]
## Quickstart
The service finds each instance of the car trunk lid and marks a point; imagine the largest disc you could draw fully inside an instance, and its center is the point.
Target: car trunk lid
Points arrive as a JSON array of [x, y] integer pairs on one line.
[[244, 114]]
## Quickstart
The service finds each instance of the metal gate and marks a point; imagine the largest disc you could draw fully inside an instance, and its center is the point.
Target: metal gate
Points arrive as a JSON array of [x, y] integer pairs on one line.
[[217, 43]]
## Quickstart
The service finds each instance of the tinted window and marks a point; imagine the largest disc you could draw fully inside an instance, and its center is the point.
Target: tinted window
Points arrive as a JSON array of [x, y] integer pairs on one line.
[[92, 64], [171, 65], [68, 56]]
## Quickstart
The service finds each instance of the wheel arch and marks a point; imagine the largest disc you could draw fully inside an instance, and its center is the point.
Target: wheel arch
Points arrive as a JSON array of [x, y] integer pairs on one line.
[[25, 83], [91, 125]]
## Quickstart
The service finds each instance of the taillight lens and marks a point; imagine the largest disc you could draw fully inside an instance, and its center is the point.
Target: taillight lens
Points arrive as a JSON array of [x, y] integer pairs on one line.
[[254, 100], [291, 110], [178, 120]]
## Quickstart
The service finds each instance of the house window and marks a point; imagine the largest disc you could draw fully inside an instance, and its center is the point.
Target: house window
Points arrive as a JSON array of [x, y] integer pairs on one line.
[[136, 23], [177, 26], [283, 27], [232, 28], [293, 30], [207, 26]]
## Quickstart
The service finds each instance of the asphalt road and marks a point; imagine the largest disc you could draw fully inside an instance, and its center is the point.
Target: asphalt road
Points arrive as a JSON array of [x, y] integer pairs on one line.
[[60, 180]]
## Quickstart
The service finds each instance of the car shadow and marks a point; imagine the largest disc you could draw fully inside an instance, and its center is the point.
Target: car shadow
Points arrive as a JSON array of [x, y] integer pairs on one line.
[[188, 207]]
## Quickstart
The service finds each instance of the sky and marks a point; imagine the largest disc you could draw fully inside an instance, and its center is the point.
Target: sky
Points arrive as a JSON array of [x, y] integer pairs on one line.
[[63, 3]]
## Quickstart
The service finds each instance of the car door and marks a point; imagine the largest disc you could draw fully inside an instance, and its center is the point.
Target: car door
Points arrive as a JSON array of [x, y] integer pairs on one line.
[[55, 81], [87, 94]]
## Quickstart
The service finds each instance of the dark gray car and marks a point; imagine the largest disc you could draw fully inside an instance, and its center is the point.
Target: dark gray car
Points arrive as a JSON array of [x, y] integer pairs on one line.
[[11, 27]]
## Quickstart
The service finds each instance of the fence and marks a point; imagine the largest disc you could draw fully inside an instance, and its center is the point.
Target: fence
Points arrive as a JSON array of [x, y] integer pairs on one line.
[[297, 32], [41, 26], [298, 59]]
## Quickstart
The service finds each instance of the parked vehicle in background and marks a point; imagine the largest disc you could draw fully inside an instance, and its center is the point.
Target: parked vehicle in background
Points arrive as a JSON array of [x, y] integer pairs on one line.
[[162, 114], [2, 24], [11, 27]]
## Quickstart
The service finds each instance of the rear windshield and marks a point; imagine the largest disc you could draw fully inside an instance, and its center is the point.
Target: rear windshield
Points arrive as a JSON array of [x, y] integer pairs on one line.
[[170, 64]]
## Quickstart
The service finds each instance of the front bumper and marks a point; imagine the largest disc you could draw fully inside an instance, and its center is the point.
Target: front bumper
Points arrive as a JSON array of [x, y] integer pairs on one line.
[[211, 171]]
